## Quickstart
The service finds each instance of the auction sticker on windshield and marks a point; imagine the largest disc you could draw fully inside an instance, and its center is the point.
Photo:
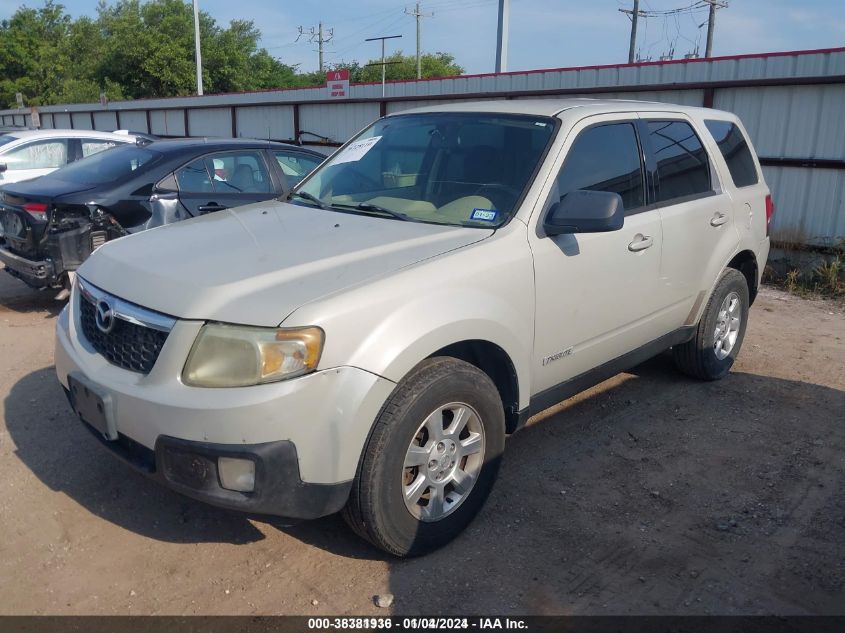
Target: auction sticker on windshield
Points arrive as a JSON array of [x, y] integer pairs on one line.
[[356, 151]]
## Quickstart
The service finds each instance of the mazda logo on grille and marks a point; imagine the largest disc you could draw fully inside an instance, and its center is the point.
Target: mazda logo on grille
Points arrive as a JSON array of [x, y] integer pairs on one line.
[[104, 317]]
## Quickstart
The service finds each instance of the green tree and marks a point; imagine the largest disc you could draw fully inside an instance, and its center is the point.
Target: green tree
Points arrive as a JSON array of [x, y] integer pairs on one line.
[[405, 67], [134, 49]]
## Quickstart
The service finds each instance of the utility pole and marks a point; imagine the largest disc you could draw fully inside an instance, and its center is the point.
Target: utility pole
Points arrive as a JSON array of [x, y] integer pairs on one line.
[[416, 13], [711, 24], [634, 14], [197, 45], [320, 36], [502, 37], [383, 63]]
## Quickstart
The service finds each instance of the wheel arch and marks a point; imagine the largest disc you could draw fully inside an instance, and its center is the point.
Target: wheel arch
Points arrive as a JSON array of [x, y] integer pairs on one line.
[[497, 364], [746, 262]]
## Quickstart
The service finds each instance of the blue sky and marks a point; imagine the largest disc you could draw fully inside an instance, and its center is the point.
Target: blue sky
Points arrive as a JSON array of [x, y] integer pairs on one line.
[[543, 33]]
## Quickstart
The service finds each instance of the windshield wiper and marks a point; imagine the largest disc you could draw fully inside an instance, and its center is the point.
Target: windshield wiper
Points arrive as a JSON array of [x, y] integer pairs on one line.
[[368, 206], [310, 197]]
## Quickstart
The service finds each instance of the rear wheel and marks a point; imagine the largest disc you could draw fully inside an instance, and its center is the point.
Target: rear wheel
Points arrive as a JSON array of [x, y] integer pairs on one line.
[[720, 332], [431, 459]]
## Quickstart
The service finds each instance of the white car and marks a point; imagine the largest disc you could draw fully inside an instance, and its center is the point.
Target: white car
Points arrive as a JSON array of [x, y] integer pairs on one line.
[[367, 345], [28, 154]]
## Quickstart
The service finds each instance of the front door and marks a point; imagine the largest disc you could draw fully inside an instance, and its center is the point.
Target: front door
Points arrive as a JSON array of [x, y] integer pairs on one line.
[[597, 293], [224, 180]]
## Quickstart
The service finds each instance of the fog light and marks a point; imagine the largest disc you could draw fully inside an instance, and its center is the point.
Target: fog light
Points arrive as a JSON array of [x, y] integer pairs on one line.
[[236, 474]]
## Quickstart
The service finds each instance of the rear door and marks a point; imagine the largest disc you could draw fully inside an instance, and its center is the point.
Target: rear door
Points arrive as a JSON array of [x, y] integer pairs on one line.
[[749, 191], [697, 213], [597, 293], [33, 158], [223, 180]]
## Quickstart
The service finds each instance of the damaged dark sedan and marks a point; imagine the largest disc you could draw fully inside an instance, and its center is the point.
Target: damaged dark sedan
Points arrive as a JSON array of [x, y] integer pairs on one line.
[[50, 225]]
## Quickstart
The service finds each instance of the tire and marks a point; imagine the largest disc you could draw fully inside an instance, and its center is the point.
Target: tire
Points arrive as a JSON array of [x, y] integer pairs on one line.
[[712, 351], [444, 391]]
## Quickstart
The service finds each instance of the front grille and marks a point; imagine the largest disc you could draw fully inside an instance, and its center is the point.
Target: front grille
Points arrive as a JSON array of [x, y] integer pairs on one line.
[[128, 345]]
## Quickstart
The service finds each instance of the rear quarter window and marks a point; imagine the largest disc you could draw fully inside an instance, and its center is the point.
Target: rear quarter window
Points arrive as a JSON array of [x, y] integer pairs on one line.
[[736, 152]]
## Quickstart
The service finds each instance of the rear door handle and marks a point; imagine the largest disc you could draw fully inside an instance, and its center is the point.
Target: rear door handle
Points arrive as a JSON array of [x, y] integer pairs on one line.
[[210, 207], [640, 243], [719, 219]]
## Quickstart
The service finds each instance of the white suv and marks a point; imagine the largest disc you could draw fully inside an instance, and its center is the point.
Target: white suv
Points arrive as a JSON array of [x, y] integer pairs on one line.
[[367, 345]]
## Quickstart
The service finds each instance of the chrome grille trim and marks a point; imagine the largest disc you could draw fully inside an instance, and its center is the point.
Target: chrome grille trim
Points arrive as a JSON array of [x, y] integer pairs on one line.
[[125, 310]]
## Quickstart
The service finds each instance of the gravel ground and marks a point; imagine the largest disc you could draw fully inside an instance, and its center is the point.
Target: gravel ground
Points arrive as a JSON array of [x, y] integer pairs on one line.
[[650, 493]]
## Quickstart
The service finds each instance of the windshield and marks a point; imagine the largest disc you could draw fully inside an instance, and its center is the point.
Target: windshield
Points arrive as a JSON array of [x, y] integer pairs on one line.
[[464, 169], [108, 166], [7, 139]]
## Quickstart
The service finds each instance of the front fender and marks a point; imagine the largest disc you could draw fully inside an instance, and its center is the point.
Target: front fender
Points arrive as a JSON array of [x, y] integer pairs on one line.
[[483, 292], [415, 333]]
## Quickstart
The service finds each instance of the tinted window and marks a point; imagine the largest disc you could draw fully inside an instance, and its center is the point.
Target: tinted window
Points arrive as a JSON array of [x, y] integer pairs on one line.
[[682, 167], [296, 166], [37, 155], [230, 172], [7, 139], [111, 166], [735, 149], [605, 158], [194, 178]]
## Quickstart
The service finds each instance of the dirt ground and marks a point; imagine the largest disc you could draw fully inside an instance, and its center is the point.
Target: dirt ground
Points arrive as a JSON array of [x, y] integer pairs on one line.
[[651, 493]]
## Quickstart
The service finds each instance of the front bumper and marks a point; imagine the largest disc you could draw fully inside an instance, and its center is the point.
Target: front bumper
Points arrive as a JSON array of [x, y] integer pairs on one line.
[[318, 423], [190, 468], [38, 274]]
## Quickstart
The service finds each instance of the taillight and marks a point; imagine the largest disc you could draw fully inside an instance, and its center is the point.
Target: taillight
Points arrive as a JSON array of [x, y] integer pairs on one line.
[[38, 210], [770, 211]]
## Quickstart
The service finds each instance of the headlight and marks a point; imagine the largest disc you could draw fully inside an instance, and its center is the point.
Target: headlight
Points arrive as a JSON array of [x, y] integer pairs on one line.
[[239, 356]]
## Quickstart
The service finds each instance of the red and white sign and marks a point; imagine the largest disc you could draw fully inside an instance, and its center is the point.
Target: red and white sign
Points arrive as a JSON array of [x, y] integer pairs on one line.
[[337, 83]]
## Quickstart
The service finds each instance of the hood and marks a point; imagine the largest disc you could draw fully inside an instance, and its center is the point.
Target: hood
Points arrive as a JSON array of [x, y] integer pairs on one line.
[[44, 188], [256, 264]]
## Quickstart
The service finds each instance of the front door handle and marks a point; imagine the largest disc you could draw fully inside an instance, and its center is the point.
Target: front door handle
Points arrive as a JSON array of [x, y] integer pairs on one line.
[[640, 243], [210, 207], [719, 219]]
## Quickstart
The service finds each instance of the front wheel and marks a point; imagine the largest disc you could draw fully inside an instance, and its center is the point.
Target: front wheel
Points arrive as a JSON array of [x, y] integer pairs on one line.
[[719, 334], [431, 459]]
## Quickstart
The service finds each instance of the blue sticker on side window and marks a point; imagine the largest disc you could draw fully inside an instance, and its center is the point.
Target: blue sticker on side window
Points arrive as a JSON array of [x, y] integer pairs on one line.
[[485, 215]]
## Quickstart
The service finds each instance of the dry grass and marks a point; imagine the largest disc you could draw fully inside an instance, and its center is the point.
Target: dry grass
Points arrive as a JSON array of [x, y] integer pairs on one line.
[[825, 280]]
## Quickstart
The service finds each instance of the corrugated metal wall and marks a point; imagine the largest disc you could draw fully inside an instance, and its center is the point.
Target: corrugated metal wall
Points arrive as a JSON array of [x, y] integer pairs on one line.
[[792, 104], [798, 122]]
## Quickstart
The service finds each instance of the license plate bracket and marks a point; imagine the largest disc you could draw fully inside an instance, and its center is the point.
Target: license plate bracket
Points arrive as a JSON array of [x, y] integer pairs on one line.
[[93, 406]]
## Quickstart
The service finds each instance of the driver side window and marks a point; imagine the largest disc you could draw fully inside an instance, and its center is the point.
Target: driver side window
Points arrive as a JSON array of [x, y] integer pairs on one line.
[[605, 158], [229, 172]]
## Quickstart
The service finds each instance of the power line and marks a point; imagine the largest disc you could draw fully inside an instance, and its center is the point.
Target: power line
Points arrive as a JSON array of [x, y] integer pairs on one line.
[[319, 36], [419, 15], [388, 27], [634, 14], [711, 24]]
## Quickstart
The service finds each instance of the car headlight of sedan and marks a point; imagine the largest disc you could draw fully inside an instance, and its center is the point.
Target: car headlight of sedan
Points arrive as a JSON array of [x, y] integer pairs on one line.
[[238, 356]]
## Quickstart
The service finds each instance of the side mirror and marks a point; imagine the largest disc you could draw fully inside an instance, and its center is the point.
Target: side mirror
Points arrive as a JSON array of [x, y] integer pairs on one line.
[[585, 211], [3, 167]]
